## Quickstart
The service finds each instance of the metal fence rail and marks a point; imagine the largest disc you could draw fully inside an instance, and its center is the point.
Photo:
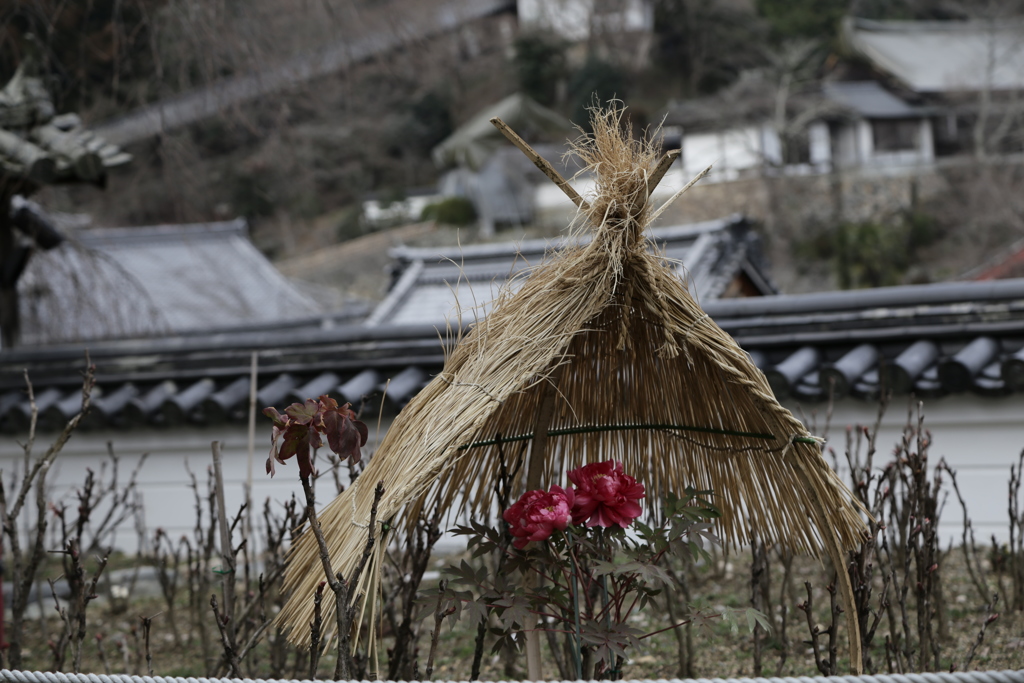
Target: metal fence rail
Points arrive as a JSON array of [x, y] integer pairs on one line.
[[8, 676]]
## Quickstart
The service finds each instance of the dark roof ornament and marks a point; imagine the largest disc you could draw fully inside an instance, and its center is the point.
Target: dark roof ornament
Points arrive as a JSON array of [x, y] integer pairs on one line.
[[37, 148]]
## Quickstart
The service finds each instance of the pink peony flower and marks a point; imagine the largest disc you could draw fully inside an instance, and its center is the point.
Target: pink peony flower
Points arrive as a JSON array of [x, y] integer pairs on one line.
[[605, 496], [536, 515]]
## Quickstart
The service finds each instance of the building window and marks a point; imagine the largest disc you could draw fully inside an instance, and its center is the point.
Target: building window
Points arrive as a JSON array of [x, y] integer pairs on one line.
[[895, 135], [796, 149]]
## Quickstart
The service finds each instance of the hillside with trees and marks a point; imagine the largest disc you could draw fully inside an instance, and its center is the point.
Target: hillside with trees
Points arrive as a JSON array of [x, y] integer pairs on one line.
[[299, 161]]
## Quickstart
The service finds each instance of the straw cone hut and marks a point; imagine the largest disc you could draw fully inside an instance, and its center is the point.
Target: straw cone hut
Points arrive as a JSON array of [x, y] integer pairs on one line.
[[602, 354]]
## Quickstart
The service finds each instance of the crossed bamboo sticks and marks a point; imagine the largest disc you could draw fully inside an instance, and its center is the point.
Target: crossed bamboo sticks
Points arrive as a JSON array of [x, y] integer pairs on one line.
[[547, 169]]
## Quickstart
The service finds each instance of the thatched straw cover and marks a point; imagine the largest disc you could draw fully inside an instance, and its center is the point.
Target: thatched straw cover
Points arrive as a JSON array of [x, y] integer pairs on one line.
[[606, 345]]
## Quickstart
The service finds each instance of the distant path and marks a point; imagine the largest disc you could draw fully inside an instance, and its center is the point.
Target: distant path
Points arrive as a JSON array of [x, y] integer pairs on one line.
[[196, 105]]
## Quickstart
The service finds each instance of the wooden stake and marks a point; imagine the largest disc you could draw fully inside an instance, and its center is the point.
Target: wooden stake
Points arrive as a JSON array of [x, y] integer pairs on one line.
[[542, 424], [661, 169], [535, 468], [541, 163], [227, 551]]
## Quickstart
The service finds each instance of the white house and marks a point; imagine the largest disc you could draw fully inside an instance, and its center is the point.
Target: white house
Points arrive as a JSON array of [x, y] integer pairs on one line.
[[849, 125], [971, 72], [880, 129], [578, 20]]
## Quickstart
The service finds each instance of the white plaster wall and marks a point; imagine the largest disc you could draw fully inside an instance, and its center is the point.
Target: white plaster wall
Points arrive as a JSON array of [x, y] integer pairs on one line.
[[847, 150], [927, 141], [979, 437], [865, 141], [700, 150], [572, 19], [728, 152], [741, 148], [568, 18], [163, 479], [771, 145], [820, 145]]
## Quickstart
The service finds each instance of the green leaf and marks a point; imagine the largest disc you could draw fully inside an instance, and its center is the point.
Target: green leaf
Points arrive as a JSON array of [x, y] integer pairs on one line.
[[514, 610], [757, 617]]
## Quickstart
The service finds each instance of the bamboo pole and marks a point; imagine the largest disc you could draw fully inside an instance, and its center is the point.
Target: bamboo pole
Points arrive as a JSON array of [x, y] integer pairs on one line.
[[661, 169], [541, 163], [534, 472]]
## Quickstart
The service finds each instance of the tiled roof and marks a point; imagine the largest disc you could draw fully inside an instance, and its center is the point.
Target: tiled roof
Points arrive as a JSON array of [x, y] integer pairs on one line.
[[430, 282], [932, 340], [942, 56], [204, 379], [871, 100], [153, 280]]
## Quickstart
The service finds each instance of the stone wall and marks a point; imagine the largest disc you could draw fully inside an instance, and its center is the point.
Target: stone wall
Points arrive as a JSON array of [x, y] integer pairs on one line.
[[794, 210], [815, 200]]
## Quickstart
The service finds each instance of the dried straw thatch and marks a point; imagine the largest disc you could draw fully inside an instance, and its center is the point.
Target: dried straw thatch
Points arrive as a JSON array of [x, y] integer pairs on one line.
[[603, 354]]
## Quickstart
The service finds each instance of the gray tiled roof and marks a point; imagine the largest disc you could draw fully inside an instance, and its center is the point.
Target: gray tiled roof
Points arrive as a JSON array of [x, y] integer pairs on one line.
[[432, 284], [871, 100], [943, 56], [153, 280], [932, 340]]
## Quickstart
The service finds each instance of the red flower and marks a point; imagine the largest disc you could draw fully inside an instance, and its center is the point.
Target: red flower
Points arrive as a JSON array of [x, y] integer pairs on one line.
[[605, 496], [537, 514]]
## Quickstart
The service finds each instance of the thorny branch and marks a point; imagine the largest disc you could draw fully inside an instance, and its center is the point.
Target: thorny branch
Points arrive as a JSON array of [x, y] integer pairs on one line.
[[345, 609], [23, 570]]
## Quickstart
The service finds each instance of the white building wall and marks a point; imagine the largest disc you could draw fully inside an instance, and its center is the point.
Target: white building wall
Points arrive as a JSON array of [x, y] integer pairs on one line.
[[568, 18], [927, 144], [771, 146], [979, 437], [846, 145], [820, 144], [163, 480], [574, 19], [741, 149], [727, 152], [865, 141]]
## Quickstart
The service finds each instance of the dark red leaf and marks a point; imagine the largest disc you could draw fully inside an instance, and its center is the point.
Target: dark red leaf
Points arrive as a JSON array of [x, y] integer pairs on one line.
[[303, 413], [345, 434], [272, 413], [297, 441]]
